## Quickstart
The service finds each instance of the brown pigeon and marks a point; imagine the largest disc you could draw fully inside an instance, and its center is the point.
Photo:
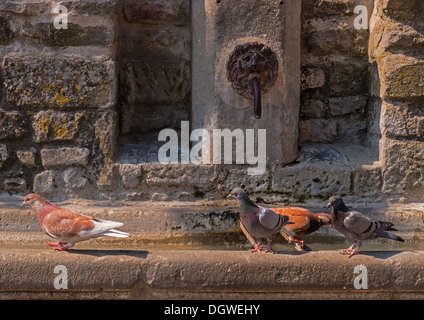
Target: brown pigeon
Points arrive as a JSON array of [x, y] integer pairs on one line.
[[68, 226], [304, 222]]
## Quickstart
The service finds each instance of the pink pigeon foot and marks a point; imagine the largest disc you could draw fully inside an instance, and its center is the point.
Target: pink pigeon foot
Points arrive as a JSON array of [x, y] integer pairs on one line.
[[62, 249], [270, 250], [53, 244], [256, 249], [350, 252]]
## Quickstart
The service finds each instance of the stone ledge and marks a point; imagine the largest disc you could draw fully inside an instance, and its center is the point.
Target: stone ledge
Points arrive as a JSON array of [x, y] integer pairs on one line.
[[211, 274]]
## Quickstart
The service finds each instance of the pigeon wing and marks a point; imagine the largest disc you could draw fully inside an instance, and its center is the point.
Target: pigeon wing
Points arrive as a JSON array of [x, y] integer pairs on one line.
[[359, 224], [66, 223], [271, 220], [298, 216]]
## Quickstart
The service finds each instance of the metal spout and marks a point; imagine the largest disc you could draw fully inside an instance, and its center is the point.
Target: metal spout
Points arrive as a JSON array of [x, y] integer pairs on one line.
[[257, 106]]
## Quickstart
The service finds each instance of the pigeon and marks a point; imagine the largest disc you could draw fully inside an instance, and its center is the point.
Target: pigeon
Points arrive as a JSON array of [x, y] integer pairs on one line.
[[304, 222], [356, 226], [68, 226], [257, 222]]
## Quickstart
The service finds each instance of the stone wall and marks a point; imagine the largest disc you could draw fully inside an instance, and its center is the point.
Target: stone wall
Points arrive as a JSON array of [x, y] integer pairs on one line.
[[58, 96], [80, 109], [335, 73]]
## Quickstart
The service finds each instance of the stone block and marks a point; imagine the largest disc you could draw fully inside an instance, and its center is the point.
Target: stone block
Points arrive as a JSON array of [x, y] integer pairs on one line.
[[345, 105], [58, 81], [348, 78], [4, 154], [402, 120], [6, 33], [167, 43], [56, 126], [312, 108], [323, 37], [312, 77], [12, 125], [159, 196], [64, 157], [367, 182], [15, 184], [317, 130], [92, 8], [105, 128], [131, 175], [74, 35], [406, 82], [304, 180], [74, 178], [27, 158], [402, 167], [158, 12], [44, 182], [156, 82], [27, 7]]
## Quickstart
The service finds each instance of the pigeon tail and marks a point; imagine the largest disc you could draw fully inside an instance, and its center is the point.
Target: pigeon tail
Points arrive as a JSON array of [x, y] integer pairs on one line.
[[389, 235], [115, 233]]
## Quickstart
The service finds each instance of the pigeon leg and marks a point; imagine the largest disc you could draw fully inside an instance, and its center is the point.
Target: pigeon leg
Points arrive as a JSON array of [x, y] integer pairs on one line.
[[256, 248], [270, 250]]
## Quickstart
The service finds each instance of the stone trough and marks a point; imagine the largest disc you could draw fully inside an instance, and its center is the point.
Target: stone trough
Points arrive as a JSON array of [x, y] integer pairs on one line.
[[197, 251]]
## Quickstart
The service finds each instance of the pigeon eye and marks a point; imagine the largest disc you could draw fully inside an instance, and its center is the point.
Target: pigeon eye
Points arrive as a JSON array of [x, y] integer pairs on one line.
[[235, 194]]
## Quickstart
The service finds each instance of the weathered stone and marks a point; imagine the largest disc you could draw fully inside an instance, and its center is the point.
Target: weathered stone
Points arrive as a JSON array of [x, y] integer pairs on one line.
[[64, 157], [106, 132], [345, 105], [4, 154], [317, 130], [158, 196], [75, 178], [367, 182], [27, 158], [312, 108], [312, 78], [157, 12], [58, 81], [74, 35], [168, 43], [6, 33], [407, 82], [15, 184], [27, 7], [311, 180], [402, 120], [402, 171], [88, 8], [155, 82], [53, 126], [348, 78], [44, 182], [335, 36], [12, 125], [131, 175]]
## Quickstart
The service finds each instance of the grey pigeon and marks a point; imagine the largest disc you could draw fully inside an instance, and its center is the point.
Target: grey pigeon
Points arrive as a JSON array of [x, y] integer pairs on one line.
[[356, 226], [257, 222]]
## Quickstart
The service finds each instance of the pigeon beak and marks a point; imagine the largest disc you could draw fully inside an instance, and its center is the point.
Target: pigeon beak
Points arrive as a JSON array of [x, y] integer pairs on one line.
[[328, 205], [23, 204], [230, 196]]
